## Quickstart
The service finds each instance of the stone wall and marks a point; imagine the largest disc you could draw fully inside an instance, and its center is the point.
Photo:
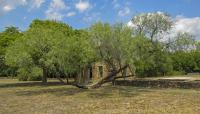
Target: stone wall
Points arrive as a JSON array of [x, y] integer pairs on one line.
[[95, 70], [159, 83], [106, 70]]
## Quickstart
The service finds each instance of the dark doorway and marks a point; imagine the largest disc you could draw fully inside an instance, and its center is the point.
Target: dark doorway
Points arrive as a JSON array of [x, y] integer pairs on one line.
[[90, 72], [100, 71]]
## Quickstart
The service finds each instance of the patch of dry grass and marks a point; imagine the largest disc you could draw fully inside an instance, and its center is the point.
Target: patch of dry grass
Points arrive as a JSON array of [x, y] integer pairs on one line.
[[32, 98]]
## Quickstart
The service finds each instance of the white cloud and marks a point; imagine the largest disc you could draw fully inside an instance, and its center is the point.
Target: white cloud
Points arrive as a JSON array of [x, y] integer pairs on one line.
[[7, 8], [37, 3], [181, 24], [55, 9], [70, 14], [82, 5], [8, 5], [189, 25], [123, 12]]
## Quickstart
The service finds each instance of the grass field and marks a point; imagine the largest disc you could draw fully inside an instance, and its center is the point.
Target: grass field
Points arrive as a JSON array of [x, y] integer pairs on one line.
[[34, 98]]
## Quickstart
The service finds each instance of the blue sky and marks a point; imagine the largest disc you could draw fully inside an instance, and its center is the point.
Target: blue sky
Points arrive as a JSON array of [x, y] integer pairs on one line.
[[82, 13]]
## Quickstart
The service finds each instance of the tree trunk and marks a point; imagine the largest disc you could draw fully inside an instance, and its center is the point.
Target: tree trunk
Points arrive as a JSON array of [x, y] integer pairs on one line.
[[107, 78], [44, 77], [67, 77]]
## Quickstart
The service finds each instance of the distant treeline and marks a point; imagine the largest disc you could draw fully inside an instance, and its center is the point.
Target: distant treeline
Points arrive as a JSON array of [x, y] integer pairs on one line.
[[55, 49]]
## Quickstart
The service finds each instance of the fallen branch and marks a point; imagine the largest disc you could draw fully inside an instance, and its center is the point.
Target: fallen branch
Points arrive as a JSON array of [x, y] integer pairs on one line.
[[58, 77]]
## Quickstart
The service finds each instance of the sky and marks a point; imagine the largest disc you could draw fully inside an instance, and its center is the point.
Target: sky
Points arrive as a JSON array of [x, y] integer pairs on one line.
[[83, 13]]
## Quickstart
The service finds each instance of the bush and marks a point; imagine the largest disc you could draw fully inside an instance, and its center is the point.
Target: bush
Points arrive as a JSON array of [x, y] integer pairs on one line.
[[22, 74], [35, 78], [30, 74], [35, 75], [186, 61], [176, 73]]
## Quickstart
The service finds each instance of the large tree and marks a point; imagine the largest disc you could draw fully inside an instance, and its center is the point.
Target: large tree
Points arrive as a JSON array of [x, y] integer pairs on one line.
[[50, 46], [152, 24], [73, 54], [114, 46]]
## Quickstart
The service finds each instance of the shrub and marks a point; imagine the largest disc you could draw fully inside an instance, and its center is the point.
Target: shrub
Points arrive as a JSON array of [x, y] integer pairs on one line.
[[29, 74], [176, 73], [22, 74], [35, 75]]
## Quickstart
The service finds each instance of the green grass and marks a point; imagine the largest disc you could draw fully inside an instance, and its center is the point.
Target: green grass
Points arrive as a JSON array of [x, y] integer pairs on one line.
[[34, 98]]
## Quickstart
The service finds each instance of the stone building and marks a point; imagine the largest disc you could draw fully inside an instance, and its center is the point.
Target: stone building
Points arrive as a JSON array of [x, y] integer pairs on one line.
[[96, 71]]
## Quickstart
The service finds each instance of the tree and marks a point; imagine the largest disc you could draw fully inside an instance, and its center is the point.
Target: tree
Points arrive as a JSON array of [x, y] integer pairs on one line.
[[73, 54], [183, 42], [145, 61], [155, 60], [197, 45], [184, 53], [185, 61], [50, 47], [152, 60], [152, 24], [113, 45], [6, 39]]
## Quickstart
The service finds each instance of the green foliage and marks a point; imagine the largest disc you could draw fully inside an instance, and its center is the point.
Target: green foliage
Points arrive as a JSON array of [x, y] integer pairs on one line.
[[30, 74], [153, 58], [186, 61], [51, 46], [196, 56], [183, 42], [74, 53], [197, 45], [143, 48], [152, 24], [113, 44], [6, 39], [184, 53], [176, 73], [22, 74], [153, 61]]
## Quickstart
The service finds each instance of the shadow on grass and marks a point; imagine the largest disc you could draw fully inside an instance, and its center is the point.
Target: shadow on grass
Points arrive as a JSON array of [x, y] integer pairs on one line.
[[100, 93], [103, 92], [62, 91], [31, 84], [113, 91]]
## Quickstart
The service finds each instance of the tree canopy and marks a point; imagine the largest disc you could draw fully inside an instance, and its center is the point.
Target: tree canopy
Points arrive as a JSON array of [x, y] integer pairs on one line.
[[50, 48], [152, 24], [7, 37]]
